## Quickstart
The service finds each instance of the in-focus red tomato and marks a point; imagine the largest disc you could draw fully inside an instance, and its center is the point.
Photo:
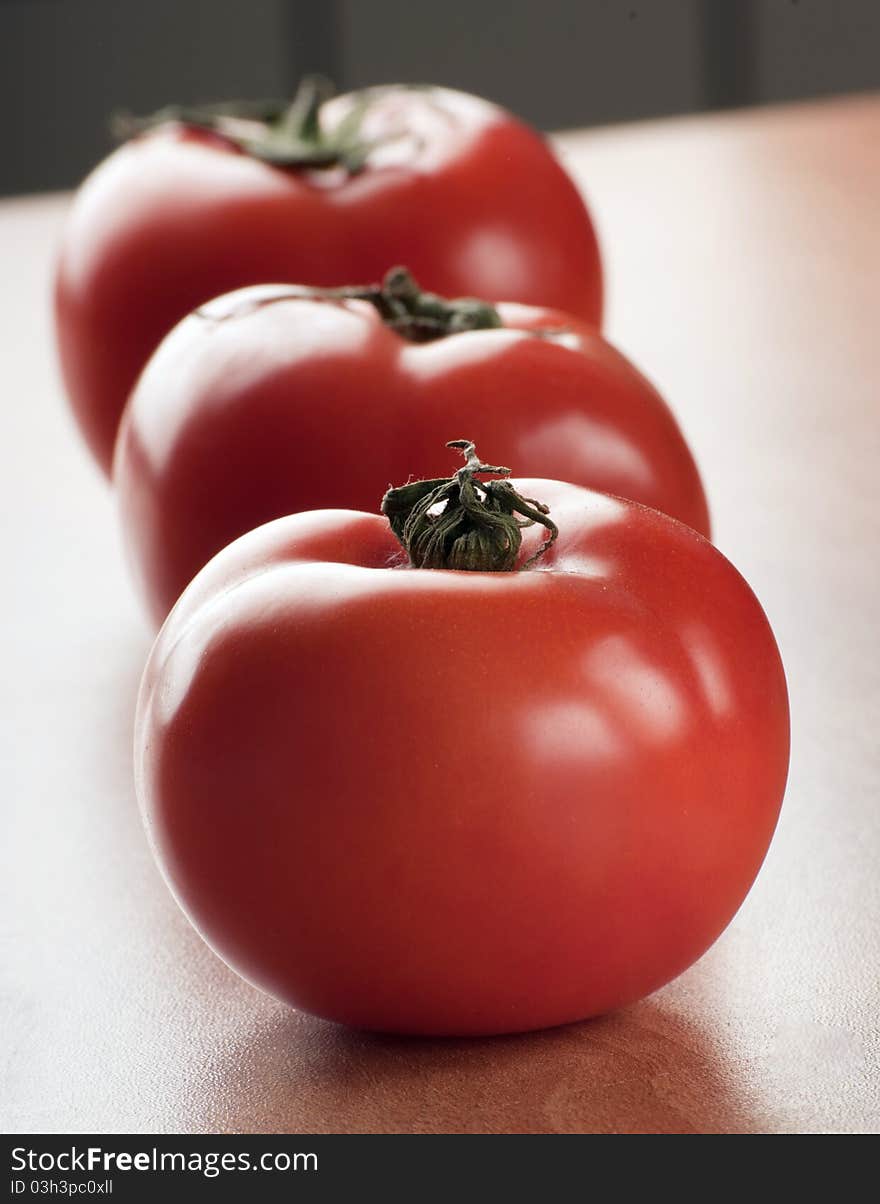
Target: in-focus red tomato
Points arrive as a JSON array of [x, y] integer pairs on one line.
[[470, 198], [265, 404], [435, 801]]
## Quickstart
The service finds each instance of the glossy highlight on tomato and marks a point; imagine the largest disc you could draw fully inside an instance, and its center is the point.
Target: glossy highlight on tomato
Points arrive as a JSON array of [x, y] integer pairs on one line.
[[469, 197], [433, 801], [272, 400]]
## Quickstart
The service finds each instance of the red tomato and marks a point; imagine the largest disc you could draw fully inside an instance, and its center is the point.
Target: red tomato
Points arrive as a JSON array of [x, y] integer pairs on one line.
[[470, 198], [266, 404], [463, 802]]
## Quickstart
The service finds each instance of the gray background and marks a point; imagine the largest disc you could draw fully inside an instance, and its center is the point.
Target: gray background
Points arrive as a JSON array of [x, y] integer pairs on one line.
[[66, 64]]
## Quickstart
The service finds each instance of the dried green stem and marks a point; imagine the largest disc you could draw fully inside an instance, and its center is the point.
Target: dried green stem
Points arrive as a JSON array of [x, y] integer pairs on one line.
[[461, 523], [415, 315], [287, 134]]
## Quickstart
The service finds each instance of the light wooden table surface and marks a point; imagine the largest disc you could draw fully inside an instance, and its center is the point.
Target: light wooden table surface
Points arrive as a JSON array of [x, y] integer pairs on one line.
[[744, 264]]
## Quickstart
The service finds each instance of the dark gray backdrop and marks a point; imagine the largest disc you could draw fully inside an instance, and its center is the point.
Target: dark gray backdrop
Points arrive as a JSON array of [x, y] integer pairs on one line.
[[66, 64]]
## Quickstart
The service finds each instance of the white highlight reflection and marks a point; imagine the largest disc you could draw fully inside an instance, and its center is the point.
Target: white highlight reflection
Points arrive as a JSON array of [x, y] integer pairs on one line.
[[710, 669], [569, 731], [495, 259], [648, 700], [590, 444]]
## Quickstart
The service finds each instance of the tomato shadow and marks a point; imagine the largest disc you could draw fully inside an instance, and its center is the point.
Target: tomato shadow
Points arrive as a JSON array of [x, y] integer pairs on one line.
[[644, 1069]]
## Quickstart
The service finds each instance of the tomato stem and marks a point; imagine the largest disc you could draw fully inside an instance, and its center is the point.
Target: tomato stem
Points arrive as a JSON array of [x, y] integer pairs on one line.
[[301, 120], [460, 523], [287, 134], [421, 316], [415, 315]]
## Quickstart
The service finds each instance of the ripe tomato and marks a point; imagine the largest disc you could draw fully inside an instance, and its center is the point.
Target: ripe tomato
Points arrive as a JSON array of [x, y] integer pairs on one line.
[[435, 801], [469, 197], [268, 403]]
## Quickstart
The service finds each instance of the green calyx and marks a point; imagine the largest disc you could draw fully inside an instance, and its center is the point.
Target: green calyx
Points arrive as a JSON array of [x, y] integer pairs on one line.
[[421, 316], [460, 523], [287, 134], [415, 315]]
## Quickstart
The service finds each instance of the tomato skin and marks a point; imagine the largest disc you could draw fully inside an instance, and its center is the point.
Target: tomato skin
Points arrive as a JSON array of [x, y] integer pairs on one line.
[[463, 803], [471, 200], [266, 409]]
